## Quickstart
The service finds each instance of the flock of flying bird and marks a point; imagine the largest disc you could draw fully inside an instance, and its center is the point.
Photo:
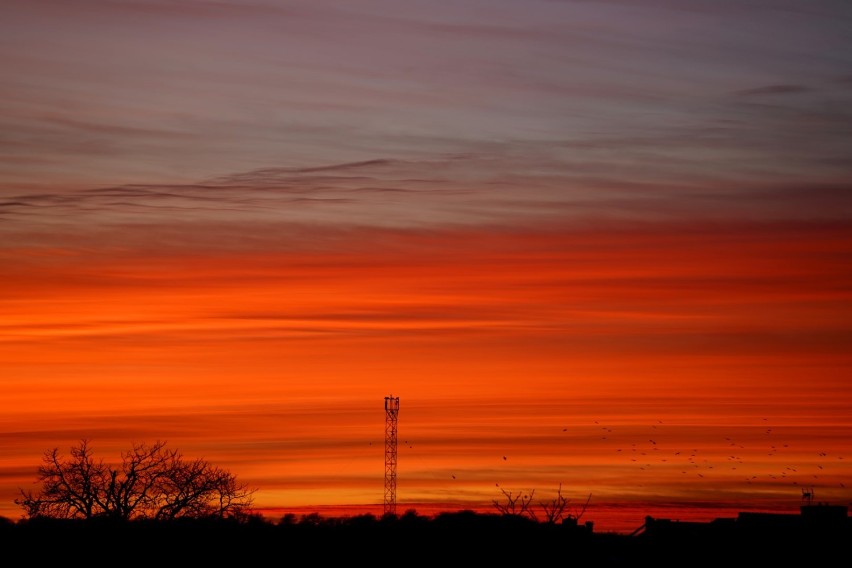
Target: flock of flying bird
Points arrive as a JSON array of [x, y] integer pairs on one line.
[[758, 461]]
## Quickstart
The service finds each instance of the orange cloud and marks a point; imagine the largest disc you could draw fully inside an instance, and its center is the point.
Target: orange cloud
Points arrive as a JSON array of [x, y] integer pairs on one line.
[[619, 363]]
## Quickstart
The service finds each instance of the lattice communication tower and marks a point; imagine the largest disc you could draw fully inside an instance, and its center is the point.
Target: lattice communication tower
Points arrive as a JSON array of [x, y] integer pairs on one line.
[[391, 419]]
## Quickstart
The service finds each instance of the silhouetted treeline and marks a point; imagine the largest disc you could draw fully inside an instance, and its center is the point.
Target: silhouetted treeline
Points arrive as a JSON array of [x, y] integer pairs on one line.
[[447, 539]]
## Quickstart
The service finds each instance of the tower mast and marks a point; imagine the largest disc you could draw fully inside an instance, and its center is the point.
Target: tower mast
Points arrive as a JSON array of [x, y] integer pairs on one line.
[[391, 418]]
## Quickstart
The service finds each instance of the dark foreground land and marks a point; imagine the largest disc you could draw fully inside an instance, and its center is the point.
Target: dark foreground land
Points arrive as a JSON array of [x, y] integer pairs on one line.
[[450, 539]]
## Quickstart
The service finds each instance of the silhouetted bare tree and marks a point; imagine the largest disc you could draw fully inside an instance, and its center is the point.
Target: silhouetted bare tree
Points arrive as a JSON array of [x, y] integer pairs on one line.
[[557, 508], [582, 510], [512, 504], [150, 482], [553, 511]]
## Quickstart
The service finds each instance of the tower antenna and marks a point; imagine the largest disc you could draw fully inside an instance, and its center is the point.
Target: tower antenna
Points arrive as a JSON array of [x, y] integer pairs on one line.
[[391, 418]]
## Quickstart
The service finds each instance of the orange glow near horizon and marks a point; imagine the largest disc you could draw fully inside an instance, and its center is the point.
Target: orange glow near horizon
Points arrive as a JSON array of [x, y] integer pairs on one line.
[[648, 367]]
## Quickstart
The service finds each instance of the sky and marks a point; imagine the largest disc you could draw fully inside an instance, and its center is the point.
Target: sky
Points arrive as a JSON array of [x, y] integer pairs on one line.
[[597, 247]]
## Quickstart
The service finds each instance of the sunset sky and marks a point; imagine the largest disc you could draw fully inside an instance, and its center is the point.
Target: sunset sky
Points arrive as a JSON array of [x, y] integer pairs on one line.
[[602, 244]]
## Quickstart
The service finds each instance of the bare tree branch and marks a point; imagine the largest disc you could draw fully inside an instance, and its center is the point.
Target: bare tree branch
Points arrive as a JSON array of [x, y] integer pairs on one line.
[[519, 504], [151, 482], [554, 510]]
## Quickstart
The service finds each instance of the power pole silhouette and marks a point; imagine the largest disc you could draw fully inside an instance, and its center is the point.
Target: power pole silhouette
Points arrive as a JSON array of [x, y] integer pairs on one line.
[[391, 418]]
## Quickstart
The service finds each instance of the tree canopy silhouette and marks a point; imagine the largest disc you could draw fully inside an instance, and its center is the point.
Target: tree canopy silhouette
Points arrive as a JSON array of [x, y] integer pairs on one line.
[[149, 482]]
